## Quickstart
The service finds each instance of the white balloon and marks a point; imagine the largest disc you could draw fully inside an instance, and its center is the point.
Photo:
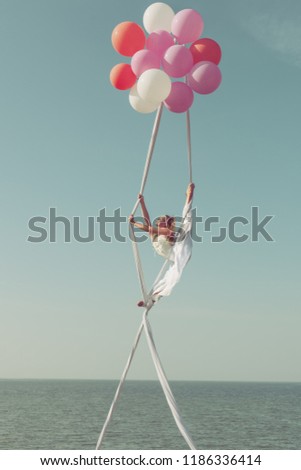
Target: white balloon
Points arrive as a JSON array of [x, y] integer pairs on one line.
[[139, 104], [158, 16], [154, 85]]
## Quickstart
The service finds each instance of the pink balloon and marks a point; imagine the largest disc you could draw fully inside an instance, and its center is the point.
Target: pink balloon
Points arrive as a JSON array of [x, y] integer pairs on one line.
[[205, 77], [144, 60], [180, 98], [177, 61], [187, 26], [159, 41]]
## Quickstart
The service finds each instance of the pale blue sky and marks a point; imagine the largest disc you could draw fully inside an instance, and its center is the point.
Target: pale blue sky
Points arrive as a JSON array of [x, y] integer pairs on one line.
[[71, 141]]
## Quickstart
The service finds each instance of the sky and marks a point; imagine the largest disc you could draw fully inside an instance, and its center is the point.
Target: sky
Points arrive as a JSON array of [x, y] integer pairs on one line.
[[72, 142]]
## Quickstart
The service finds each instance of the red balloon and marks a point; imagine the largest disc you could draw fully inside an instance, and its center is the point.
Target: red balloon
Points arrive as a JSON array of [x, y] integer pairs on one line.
[[206, 49], [122, 76], [128, 38]]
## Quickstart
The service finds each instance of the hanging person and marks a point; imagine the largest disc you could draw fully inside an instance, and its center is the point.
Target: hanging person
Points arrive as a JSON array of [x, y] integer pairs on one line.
[[163, 236]]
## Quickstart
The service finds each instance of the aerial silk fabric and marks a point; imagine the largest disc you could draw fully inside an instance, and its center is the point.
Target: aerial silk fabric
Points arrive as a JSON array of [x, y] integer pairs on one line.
[[179, 256], [168, 277]]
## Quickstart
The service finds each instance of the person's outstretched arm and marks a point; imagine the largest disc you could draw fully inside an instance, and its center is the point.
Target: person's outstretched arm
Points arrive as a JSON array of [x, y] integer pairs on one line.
[[151, 230], [189, 193], [144, 210], [144, 227]]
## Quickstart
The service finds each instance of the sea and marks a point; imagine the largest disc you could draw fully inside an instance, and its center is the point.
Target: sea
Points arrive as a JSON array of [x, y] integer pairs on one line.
[[69, 414]]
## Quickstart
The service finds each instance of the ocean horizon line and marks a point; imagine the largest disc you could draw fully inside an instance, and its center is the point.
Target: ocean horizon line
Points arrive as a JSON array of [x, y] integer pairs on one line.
[[66, 379]]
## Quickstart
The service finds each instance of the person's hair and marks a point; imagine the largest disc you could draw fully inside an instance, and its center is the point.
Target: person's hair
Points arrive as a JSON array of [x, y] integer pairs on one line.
[[167, 218]]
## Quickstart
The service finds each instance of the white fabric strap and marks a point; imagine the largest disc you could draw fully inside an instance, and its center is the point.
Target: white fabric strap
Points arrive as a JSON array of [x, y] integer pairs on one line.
[[151, 147], [165, 385], [120, 385], [138, 265], [188, 129]]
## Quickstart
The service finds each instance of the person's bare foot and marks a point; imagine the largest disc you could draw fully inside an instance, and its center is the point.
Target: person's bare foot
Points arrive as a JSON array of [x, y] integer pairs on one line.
[[141, 303]]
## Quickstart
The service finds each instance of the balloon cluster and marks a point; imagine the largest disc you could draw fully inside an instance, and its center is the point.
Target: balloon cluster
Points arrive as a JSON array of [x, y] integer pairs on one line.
[[172, 50]]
